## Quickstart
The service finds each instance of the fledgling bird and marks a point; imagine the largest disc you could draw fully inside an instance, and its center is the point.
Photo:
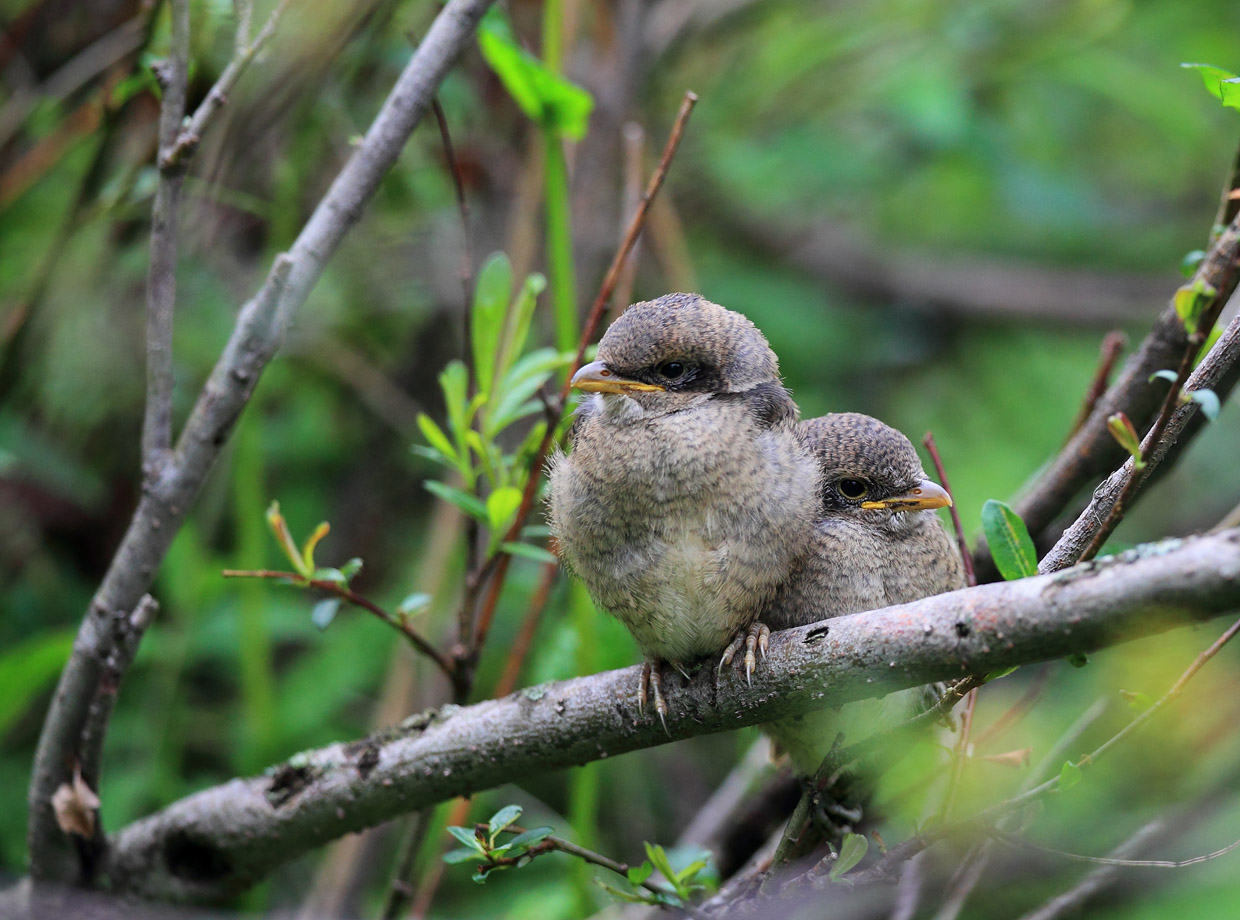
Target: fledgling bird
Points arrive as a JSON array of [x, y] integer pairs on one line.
[[877, 542], [688, 496]]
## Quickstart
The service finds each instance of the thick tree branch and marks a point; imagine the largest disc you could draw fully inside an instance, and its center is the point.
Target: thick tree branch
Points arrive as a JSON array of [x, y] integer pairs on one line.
[[1092, 452], [1215, 372], [227, 837], [258, 333]]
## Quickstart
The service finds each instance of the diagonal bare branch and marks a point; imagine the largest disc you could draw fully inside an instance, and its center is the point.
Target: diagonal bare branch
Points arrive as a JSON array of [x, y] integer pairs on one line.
[[230, 836], [257, 335]]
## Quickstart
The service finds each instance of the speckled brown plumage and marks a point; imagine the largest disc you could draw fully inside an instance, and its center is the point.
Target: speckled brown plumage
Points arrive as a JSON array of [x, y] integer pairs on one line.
[[860, 559], [684, 508]]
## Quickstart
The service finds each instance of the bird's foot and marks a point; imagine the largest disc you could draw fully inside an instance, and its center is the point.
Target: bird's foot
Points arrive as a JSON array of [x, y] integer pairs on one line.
[[651, 685], [754, 639]]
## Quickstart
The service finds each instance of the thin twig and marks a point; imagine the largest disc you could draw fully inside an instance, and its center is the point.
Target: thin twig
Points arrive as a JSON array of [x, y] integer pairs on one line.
[[500, 568], [1092, 450], [161, 279], [460, 750], [797, 839], [467, 258], [1070, 901], [961, 753], [987, 817], [1217, 372], [1140, 471], [965, 556], [189, 137], [401, 890], [1112, 344], [1023, 844], [1051, 784], [258, 333], [634, 149], [400, 624], [1019, 709], [559, 844]]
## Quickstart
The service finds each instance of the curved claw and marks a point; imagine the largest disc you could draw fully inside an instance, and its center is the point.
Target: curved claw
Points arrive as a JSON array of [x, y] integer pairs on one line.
[[754, 639], [651, 684]]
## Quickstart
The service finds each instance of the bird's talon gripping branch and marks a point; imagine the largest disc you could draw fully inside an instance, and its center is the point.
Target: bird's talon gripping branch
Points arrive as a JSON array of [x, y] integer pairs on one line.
[[651, 685], [754, 639]]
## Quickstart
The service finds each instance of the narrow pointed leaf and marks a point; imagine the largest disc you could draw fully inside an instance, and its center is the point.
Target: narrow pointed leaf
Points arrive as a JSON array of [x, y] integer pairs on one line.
[[470, 504], [435, 437], [1011, 547], [529, 551], [491, 296], [502, 818]]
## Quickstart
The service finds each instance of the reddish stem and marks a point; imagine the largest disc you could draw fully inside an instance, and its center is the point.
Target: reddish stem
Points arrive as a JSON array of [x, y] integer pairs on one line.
[[330, 587], [965, 556]]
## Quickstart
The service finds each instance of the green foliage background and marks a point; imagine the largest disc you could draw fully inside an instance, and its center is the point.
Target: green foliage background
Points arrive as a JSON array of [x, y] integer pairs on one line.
[[1058, 135]]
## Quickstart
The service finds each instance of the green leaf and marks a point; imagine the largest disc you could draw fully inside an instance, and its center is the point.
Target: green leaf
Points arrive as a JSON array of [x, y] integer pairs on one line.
[[638, 874], [502, 818], [454, 381], [1126, 436], [1191, 301], [327, 573], [325, 611], [689, 872], [491, 296], [529, 551], [1137, 701], [1212, 76], [27, 667], [631, 897], [351, 568], [284, 538], [470, 504], [1011, 547], [307, 549], [1078, 660], [1191, 261], [1208, 400], [852, 851], [481, 873], [460, 855], [502, 505], [517, 322], [531, 837], [546, 98], [658, 858], [436, 438], [1208, 344], [414, 603], [520, 383], [1002, 672], [467, 836], [1168, 375], [1069, 775]]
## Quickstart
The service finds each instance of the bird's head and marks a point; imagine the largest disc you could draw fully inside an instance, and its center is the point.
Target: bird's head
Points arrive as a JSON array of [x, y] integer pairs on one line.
[[673, 352], [871, 472]]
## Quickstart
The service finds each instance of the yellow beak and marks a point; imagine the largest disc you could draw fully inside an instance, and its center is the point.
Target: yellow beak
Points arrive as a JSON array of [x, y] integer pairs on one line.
[[924, 496], [597, 377]]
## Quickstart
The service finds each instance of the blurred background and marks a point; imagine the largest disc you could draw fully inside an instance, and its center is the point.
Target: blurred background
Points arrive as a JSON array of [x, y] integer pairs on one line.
[[934, 210]]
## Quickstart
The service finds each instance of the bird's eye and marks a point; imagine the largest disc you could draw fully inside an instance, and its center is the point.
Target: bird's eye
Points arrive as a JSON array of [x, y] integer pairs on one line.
[[672, 370], [852, 489]]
